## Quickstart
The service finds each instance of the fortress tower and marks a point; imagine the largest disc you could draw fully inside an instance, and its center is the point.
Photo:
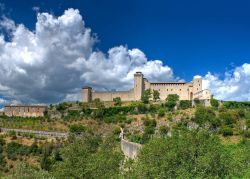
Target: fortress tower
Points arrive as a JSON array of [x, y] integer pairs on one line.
[[87, 94], [138, 85], [197, 84]]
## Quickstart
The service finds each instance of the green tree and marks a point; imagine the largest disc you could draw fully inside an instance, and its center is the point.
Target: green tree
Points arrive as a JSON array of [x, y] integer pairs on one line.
[[184, 155], [204, 115], [117, 101], [146, 96], [24, 171], [171, 101], [156, 95], [185, 104], [214, 103]]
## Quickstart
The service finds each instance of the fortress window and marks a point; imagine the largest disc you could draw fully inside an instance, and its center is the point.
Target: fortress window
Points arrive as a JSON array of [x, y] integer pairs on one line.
[[197, 88], [180, 89]]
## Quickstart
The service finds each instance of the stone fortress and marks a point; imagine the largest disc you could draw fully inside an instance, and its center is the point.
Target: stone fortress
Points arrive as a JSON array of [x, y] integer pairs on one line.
[[186, 91]]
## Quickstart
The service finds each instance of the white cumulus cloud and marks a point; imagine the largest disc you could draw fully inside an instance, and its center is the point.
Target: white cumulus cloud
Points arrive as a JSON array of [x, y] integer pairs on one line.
[[52, 62], [234, 86]]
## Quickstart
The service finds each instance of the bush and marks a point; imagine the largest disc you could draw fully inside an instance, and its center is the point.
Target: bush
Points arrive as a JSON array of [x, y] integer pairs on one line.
[[146, 96], [248, 123], [14, 149], [246, 134], [226, 118], [227, 131], [117, 101], [161, 112], [185, 104], [163, 130], [171, 101], [77, 128], [214, 103], [203, 115]]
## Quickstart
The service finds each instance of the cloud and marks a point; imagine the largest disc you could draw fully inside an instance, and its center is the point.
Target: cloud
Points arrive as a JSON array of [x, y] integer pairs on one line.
[[234, 86], [52, 62], [36, 9]]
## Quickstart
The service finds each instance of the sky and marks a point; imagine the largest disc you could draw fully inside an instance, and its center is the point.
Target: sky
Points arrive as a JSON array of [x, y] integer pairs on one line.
[[50, 49]]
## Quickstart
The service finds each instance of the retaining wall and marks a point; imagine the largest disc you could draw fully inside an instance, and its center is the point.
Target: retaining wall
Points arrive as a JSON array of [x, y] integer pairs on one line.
[[130, 149]]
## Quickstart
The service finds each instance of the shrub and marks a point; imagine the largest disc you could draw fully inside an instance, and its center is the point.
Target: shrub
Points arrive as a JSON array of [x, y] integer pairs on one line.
[[214, 103], [77, 128], [227, 131], [163, 130], [117, 101], [116, 131], [248, 123], [246, 134], [203, 115], [171, 101], [161, 112], [226, 118], [156, 95], [14, 149], [136, 138], [146, 96], [185, 104]]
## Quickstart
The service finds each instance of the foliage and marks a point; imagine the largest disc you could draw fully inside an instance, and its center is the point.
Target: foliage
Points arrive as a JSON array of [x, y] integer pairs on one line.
[[184, 155], [15, 149], [161, 112], [82, 159], [24, 171], [171, 101], [156, 95], [146, 96], [98, 103], [46, 161], [62, 106], [117, 101], [214, 103], [203, 115], [77, 128], [226, 131], [163, 130], [235, 104], [185, 104], [227, 118]]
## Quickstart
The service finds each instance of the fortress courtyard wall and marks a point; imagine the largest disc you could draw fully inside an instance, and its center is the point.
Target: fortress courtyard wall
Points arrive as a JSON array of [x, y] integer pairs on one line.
[[109, 96]]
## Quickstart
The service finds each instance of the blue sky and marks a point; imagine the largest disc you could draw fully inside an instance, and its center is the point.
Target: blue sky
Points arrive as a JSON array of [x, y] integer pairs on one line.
[[47, 59], [193, 37]]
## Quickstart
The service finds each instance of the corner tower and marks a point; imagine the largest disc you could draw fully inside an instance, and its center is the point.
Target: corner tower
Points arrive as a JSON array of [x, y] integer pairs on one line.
[[87, 94], [197, 84], [138, 85]]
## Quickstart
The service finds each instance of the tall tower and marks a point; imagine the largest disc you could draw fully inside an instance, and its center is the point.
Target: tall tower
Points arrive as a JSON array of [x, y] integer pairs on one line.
[[197, 84], [87, 94], [138, 85]]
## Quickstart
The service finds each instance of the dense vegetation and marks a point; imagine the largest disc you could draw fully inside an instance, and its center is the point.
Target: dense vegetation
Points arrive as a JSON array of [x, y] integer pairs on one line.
[[179, 140]]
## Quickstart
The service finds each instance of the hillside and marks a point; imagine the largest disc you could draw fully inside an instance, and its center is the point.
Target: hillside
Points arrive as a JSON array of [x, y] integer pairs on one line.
[[172, 130]]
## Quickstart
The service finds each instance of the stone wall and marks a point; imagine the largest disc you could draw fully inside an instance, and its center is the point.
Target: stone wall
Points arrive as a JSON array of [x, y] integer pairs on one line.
[[25, 110], [130, 149], [184, 90], [109, 96]]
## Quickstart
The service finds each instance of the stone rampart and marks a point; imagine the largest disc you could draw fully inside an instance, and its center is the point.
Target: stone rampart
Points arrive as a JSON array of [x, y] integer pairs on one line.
[[109, 96], [130, 149]]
